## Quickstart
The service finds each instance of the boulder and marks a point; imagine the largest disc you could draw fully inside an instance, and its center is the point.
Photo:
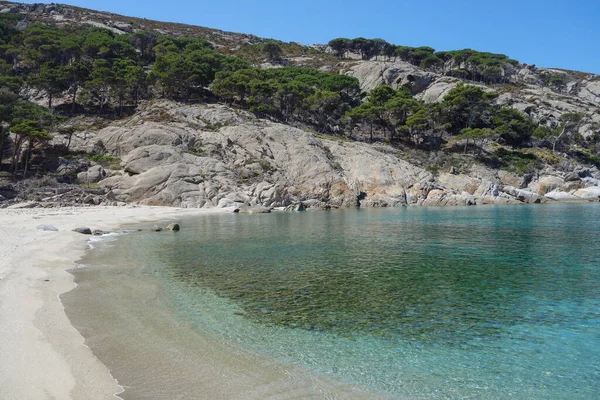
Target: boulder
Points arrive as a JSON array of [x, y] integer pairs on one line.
[[173, 227], [156, 228], [98, 232], [590, 193], [83, 230], [94, 174], [546, 184], [561, 196]]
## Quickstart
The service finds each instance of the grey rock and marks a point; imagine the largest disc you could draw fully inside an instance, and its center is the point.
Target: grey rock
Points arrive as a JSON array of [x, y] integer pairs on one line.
[[156, 228], [561, 196], [47, 228], [83, 230], [396, 74], [590, 193], [122, 26], [21, 26], [295, 207], [98, 232], [94, 174], [173, 227]]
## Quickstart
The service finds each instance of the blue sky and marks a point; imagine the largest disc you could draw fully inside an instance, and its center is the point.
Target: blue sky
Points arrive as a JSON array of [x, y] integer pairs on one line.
[[548, 33]]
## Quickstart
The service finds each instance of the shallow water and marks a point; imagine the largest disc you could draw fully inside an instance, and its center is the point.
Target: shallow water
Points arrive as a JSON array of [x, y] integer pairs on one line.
[[448, 303]]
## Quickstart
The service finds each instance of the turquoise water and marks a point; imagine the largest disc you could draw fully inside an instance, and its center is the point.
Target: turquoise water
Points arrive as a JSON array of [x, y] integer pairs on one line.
[[443, 303]]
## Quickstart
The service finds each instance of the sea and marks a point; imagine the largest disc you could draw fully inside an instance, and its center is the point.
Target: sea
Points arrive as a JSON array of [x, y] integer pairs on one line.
[[484, 302]]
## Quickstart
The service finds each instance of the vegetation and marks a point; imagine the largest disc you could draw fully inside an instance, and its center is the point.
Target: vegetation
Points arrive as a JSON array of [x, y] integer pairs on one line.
[[88, 70], [466, 64]]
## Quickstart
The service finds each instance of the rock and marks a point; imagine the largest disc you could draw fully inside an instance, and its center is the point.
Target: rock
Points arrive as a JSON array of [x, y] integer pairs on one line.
[[521, 195], [83, 230], [156, 228], [397, 74], [252, 210], [571, 176], [21, 26], [546, 184], [94, 174], [295, 207], [122, 26], [590, 193], [98, 232], [173, 227], [561, 196], [47, 228], [10, 10]]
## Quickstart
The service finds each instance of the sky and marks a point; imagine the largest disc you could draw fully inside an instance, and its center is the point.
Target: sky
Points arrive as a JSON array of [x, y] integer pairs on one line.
[[548, 33]]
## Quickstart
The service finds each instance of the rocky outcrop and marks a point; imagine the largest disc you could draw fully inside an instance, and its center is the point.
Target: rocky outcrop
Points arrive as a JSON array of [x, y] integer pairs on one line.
[[214, 156], [396, 74]]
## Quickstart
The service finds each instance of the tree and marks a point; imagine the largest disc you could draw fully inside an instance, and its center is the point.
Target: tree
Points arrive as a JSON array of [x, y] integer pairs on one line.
[[291, 97], [492, 74], [468, 106], [100, 82], [144, 42], [512, 126], [75, 76], [367, 113], [416, 125], [327, 107], [52, 79], [273, 50], [340, 46], [478, 135], [232, 86], [30, 132]]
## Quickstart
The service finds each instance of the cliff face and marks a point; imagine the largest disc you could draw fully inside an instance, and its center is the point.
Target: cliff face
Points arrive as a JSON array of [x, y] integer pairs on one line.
[[215, 156]]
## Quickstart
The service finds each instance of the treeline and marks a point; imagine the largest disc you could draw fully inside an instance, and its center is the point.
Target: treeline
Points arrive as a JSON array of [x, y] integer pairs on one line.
[[94, 70], [291, 93], [465, 64]]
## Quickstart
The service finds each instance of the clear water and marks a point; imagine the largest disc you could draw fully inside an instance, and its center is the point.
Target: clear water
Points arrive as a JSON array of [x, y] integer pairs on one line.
[[421, 303]]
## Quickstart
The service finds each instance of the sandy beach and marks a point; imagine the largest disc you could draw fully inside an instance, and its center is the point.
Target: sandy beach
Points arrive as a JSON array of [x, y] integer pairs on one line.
[[42, 356]]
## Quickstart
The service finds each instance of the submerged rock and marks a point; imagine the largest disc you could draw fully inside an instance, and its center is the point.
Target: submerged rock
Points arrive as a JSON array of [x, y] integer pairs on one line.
[[156, 228], [98, 232]]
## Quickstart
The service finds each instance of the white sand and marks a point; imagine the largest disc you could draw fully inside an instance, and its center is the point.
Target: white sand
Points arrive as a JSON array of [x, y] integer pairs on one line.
[[42, 356]]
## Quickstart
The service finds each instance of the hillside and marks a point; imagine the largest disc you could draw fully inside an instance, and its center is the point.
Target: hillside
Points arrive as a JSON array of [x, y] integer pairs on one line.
[[99, 108]]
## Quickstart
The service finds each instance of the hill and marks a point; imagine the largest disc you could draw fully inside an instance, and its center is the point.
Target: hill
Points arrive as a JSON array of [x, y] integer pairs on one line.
[[101, 108]]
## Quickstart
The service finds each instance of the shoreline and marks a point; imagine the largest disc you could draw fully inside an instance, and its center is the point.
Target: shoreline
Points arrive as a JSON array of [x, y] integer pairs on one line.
[[42, 354]]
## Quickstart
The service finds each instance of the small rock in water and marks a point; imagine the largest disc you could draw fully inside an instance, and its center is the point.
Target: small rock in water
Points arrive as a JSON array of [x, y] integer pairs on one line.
[[47, 228], [83, 230], [295, 207], [173, 227], [156, 228], [98, 232]]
